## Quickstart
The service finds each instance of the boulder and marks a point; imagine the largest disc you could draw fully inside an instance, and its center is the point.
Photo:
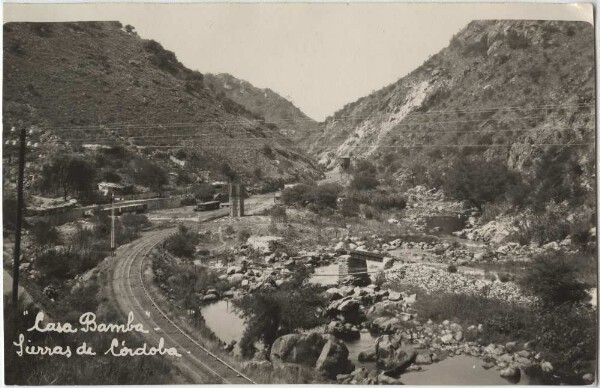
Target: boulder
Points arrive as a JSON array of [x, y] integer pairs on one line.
[[333, 359], [384, 379], [210, 298], [368, 356], [394, 296], [236, 279], [588, 378], [303, 349], [392, 357], [547, 367], [511, 372], [423, 359], [323, 352]]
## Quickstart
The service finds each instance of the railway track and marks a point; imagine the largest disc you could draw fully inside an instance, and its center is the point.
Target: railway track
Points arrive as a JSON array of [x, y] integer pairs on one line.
[[198, 362], [132, 294]]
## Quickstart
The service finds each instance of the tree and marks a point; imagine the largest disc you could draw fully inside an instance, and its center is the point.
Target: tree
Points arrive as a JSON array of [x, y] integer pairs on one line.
[[183, 243], [44, 234], [479, 181], [294, 306], [149, 174], [553, 278], [68, 173], [228, 172]]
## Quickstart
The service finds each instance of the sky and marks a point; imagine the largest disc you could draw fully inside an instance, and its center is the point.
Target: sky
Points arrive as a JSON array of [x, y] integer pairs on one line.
[[319, 56]]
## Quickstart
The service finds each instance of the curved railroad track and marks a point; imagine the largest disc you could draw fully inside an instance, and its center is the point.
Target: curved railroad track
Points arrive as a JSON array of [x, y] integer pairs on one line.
[[131, 294]]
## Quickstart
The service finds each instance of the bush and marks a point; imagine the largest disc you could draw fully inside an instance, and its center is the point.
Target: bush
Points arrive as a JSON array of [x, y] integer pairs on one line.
[[278, 214], [183, 243], [504, 277], [452, 268], [489, 276], [294, 306], [243, 235], [364, 181], [553, 279], [321, 197], [479, 181], [44, 234], [188, 201]]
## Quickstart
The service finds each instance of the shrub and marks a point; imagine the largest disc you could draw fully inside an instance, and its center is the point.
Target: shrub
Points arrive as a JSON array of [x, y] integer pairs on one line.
[[243, 235], [270, 314], [504, 277], [452, 268], [553, 279], [267, 151], [188, 201], [44, 234], [363, 181], [479, 181], [183, 243], [320, 197], [489, 276], [278, 214]]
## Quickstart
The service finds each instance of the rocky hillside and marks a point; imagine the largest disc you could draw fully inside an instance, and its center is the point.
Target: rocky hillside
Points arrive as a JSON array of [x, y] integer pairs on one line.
[[501, 89], [90, 85], [278, 112]]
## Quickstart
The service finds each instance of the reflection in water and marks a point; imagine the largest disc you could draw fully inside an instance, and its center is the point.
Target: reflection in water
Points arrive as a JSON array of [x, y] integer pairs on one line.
[[221, 318], [458, 370]]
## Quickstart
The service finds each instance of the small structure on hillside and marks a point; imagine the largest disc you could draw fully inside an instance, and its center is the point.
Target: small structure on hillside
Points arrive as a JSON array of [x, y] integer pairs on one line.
[[345, 163], [108, 188]]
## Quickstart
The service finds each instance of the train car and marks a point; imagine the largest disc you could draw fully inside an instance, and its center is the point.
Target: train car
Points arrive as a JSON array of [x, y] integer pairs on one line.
[[120, 210], [212, 205]]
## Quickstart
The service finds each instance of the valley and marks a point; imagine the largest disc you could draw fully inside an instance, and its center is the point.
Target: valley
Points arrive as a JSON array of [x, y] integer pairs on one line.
[[441, 230]]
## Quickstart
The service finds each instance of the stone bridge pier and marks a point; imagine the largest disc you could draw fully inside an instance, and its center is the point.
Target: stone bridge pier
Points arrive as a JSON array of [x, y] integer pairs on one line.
[[353, 270]]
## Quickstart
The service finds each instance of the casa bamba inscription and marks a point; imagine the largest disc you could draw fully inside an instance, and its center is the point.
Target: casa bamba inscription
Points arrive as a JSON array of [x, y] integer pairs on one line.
[[88, 324]]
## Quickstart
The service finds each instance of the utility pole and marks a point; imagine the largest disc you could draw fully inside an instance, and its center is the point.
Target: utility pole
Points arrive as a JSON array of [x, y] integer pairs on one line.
[[112, 222], [17, 250]]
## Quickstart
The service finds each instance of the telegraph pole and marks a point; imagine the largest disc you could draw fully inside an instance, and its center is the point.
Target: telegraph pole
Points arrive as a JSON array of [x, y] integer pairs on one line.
[[17, 250], [112, 222]]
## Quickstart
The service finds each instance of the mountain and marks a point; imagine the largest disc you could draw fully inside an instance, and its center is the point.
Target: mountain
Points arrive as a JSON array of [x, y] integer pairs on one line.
[[502, 90], [88, 86], [265, 103]]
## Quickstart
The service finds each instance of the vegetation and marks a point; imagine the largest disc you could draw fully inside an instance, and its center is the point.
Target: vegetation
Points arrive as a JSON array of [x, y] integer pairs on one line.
[[183, 243], [553, 279], [68, 173], [566, 335], [273, 313], [318, 197]]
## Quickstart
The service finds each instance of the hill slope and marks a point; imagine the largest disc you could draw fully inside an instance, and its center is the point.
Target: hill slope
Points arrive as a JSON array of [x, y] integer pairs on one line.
[[496, 91], [97, 83], [265, 103]]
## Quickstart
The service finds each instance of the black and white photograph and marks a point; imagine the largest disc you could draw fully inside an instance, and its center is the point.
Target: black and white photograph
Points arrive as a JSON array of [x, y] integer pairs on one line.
[[299, 193]]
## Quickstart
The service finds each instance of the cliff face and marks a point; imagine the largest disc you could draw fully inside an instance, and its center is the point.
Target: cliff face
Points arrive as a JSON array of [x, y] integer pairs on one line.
[[98, 83], [501, 89]]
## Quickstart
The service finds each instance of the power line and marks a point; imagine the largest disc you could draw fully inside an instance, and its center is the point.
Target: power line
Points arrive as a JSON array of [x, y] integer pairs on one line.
[[209, 136], [347, 117]]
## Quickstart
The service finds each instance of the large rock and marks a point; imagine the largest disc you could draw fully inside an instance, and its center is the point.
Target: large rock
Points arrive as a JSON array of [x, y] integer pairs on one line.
[[302, 349], [323, 352], [333, 359], [236, 279], [392, 357]]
